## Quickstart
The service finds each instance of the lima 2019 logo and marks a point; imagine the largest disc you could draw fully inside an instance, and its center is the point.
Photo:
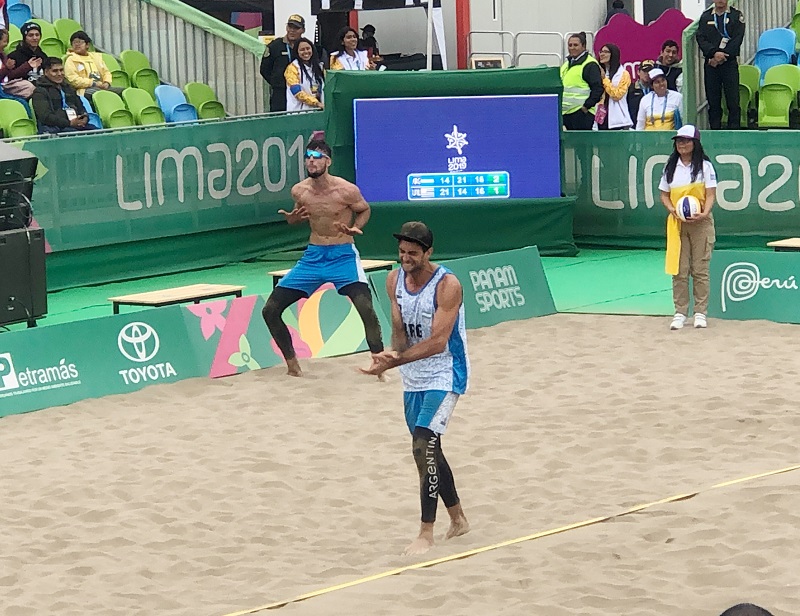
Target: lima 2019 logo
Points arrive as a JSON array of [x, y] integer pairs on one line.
[[139, 342], [456, 141]]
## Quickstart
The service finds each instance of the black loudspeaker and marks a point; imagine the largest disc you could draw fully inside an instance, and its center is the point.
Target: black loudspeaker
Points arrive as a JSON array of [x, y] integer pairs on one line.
[[17, 170], [23, 278]]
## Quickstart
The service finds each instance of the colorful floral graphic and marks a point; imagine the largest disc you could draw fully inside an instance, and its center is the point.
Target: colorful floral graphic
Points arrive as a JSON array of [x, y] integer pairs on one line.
[[243, 357]]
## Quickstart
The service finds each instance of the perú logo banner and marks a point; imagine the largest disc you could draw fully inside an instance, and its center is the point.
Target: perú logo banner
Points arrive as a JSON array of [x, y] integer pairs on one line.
[[755, 285]]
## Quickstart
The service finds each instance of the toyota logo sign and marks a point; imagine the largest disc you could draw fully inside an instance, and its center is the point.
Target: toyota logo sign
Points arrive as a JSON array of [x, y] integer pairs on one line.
[[138, 342]]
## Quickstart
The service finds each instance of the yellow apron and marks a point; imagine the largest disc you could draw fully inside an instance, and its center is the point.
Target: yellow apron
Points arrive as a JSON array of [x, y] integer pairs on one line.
[[673, 261]]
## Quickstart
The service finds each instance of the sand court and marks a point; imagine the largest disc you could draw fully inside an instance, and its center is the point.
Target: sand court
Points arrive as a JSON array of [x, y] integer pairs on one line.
[[210, 497]]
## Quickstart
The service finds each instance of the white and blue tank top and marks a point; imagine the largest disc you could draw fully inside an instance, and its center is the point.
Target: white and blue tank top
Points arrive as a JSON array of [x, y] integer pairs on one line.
[[445, 371]]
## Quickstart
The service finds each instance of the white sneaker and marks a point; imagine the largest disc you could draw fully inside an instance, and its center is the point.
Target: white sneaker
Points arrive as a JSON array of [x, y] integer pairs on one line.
[[677, 321], [700, 321]]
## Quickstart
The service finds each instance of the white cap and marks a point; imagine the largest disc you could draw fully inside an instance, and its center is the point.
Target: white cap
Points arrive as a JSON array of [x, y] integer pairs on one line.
[[655, 73], [687, 132]]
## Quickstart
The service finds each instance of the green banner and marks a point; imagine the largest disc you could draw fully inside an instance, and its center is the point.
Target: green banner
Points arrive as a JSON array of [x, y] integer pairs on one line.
[[498, 287], [65, 363], [98, 190], [755, 285], [615, 176]]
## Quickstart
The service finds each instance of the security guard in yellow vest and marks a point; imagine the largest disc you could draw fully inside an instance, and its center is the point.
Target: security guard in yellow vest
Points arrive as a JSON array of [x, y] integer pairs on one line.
[[583, 85], [720, 33]]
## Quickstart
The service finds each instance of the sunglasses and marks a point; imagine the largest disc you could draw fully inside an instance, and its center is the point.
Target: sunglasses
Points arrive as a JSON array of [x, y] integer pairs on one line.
[[315, 155]]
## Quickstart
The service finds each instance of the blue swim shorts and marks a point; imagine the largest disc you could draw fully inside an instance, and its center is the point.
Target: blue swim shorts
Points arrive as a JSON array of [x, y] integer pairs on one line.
[[430, 409], [339, 264]]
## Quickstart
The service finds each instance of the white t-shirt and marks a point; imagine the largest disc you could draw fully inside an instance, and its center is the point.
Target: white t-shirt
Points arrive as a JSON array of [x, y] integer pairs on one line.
[[683, 177]]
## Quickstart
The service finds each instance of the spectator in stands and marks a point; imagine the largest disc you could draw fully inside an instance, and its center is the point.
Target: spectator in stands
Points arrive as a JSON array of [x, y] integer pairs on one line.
[[278, 56], [720, 33], [348, 56], [670, 62], [640, 87], [745, 609], [617, 8], [6, 74], [368, 41], [660, 109], [29, 56], [304, 79], [612, 112], [583, 85], [85, 70], [56, 103], [689, 173]]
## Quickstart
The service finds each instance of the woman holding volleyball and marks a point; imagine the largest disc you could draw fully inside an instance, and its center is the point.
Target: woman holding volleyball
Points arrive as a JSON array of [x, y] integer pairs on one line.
[[689, 175]]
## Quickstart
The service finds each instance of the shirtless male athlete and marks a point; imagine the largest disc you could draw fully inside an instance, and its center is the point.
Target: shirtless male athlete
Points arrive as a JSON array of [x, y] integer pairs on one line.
[[336, 211]]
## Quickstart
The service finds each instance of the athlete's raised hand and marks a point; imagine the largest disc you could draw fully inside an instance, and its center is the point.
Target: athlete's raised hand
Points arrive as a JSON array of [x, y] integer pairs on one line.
[[296, 216]]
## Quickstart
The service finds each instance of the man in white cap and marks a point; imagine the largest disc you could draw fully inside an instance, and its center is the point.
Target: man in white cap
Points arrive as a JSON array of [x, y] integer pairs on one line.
[[279, 54]]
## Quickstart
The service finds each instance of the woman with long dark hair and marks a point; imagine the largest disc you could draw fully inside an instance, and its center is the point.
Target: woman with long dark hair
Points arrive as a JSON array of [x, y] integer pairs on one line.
[[348, 56], [305, 78], [614, 114], [690, 239]]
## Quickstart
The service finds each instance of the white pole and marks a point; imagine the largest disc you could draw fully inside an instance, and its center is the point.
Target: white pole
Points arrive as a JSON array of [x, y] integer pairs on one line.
[[430, 35]]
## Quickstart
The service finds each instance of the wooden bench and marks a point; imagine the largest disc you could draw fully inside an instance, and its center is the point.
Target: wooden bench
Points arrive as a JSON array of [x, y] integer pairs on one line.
[[177, 295], [369, 265], [791, 244]]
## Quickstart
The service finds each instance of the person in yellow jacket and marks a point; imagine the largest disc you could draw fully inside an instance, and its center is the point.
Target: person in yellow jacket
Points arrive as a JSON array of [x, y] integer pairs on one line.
[[304, 79], [85, 70], [689, 172], [583, 85]]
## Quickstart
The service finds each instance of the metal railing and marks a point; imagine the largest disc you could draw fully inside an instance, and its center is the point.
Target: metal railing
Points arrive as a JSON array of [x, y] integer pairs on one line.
[[760, 15], [184, 47], [554, 45]]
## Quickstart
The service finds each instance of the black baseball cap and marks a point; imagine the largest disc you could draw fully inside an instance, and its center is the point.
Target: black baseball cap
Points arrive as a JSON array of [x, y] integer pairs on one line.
[[296, 20], [368, 28], [416, 232]]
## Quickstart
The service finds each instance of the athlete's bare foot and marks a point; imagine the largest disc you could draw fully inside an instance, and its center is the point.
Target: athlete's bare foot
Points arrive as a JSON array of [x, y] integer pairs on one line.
[[458, 522], [422, 543], [293, 367]]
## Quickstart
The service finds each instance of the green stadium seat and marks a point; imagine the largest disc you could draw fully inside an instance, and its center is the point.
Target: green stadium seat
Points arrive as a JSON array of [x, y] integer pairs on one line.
[[15, 121], [775, 101], [65, 28], [112, 110], [788, 74], [204, 100], [143, 107], [138, 67], [745, 98], [750, 76], [14, 37], [119, 78]]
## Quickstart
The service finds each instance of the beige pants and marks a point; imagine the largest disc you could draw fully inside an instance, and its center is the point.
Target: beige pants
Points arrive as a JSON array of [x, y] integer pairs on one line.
[[697, 242]]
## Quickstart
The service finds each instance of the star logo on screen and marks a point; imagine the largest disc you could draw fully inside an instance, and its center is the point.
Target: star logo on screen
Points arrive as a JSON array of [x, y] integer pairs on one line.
[[456, 140]]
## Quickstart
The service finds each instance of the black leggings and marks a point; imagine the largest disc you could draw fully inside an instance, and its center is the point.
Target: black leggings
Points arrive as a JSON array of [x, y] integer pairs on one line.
[[283, 297], [435, 476]]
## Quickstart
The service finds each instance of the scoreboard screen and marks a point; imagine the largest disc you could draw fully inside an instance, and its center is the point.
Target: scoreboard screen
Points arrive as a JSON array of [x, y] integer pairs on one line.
[[475, 147]]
